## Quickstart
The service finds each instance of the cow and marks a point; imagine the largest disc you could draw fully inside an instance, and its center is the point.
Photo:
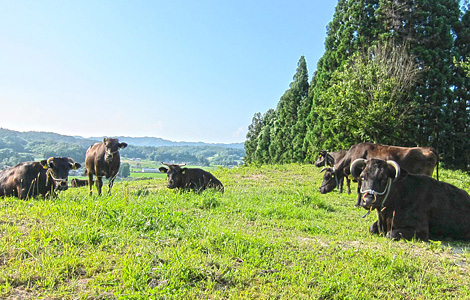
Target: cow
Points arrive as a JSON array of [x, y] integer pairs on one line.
[[103, 159], [327, 159], [190, 178], [417, 160], [411, 205], [32, 178], [78, 182]]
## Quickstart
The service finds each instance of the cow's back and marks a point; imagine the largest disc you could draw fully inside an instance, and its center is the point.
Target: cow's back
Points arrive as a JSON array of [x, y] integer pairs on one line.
[[443, 206], [27, 176], [416, 160], [200, 179]]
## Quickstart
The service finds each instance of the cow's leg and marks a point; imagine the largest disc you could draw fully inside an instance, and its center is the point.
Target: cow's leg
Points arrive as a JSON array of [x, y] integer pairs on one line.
[[348, 184], [99, 184], [340, 183], [111, 183], [90, 182], [358, 202], [374, 228]]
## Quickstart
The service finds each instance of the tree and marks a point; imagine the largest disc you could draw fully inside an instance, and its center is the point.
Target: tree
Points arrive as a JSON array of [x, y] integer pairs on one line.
[[262, 150], [287, 116], [252, 137], [369, 100], [354, 27], [125, 170]]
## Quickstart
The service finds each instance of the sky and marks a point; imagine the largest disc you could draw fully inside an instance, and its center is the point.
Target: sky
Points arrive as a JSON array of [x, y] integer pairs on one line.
[[179, 70]]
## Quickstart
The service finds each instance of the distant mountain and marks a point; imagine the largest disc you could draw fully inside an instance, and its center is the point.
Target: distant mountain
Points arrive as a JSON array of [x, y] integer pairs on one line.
[[159, 142], [136, 141]]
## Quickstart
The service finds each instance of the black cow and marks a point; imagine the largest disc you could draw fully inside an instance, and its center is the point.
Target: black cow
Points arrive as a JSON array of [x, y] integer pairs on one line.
[[103, 159], [190, 178], [29, 179], [417, 160], [78, 182], [326, 159], [411, 205]]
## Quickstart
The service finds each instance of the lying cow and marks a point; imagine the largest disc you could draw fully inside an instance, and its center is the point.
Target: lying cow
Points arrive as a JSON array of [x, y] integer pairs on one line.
[[409, 205], [190, 178], [29, 179], [417, 160], [78, 182], [103, 159], [326, 159]]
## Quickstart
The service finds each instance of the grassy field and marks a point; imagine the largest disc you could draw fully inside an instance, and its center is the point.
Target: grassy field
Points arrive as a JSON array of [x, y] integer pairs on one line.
[[271, 235]]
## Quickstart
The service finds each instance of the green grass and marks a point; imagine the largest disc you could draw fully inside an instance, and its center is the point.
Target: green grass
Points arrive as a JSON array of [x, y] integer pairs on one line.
[[270, 235]]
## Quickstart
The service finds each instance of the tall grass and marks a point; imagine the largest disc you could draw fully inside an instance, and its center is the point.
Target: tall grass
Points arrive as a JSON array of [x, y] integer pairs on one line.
[[270, 235]]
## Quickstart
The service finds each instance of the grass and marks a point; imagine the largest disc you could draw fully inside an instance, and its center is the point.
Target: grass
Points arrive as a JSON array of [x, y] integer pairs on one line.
[[270, 235]]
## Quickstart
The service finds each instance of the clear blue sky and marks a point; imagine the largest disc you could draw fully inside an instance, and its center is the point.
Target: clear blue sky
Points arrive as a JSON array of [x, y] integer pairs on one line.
[[179, 70]]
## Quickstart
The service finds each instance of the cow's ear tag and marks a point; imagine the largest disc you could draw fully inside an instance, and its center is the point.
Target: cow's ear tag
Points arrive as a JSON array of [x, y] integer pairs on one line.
[[45, 167], [350, 177]]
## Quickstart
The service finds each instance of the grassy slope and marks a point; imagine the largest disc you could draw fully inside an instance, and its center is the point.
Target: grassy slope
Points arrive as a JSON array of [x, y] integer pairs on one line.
[[271, 235]]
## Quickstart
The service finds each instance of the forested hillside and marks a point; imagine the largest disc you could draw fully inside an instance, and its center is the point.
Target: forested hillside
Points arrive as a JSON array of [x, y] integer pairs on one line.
[[393, 72], [17, 146]]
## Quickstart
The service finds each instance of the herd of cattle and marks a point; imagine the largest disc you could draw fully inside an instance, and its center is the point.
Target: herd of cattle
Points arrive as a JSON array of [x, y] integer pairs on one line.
[[395, 181]]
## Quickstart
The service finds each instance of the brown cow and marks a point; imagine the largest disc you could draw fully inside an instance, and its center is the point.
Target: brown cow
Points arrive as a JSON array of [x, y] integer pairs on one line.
[[78, 182], [411, 205], [326, 159], [103, 159], [417, 160], [29, 179], [186, 178]]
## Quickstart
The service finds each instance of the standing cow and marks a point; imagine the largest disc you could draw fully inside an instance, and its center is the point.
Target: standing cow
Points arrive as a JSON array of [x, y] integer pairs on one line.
[[190, 178], [103, 159], [29, 179], [411, 205]]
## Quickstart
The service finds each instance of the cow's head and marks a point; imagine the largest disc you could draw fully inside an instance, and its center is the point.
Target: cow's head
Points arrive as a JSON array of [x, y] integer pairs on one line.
[[330, 180], [112, 147], [175, 174], [321, 161], [58, 170], [376, 176]]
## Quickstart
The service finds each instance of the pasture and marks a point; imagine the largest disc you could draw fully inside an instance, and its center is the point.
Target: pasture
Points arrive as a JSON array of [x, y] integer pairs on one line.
[[271, 235]]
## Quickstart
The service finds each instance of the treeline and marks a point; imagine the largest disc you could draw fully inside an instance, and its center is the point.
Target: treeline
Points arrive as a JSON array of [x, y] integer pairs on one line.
[[16, 147], [393, 72]]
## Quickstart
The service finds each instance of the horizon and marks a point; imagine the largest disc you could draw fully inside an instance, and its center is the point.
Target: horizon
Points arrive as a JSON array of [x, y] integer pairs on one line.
[[180, 71], [120, 136]]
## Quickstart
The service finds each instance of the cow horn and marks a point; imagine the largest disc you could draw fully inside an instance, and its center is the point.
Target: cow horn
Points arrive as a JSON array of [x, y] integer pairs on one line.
[[179, 165], [396, 166], [360, 162], [326, 168], [49, 160]]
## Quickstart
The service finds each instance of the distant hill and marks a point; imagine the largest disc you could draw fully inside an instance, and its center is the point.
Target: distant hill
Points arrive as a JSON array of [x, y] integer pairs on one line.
[[16, 146], [159, 142]]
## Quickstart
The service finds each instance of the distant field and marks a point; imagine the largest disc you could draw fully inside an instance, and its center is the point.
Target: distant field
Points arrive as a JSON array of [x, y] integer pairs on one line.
[[271, 235]]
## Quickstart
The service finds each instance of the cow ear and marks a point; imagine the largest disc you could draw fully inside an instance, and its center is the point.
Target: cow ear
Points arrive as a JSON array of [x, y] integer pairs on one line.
[[163, 169], [122, 145], [183, 170], [76, 166]]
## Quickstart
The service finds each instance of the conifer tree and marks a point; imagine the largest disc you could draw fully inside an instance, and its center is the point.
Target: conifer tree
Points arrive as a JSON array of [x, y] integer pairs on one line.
[[252, 137], [287, 115], [262, 150]]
